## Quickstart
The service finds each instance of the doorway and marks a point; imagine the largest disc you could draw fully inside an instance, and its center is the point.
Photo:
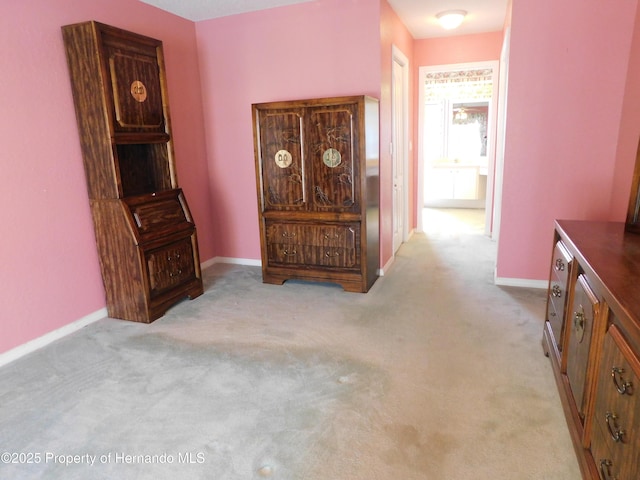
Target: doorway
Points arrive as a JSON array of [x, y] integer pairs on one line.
[[457, 139]]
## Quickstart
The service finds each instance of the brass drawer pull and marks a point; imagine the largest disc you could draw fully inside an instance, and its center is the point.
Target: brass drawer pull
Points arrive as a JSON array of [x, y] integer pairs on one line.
[[612, 425], [289, 253], [622, 386], [175, 274], [332, 255], [330, 237], [605, 470], [560, 265], [556, 291], [175, 257], [288, 234]]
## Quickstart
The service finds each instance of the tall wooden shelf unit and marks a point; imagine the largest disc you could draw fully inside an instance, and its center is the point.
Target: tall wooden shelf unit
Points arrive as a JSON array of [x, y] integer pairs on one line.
[[145, 234], [317, 170]]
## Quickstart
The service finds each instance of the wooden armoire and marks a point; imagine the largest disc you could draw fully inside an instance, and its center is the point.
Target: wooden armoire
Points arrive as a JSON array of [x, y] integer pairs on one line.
[[145, 234], [317, 171]]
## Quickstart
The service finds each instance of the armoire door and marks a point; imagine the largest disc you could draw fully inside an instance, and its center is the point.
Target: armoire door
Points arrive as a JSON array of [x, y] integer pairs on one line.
[[332, 158], [281, 161]]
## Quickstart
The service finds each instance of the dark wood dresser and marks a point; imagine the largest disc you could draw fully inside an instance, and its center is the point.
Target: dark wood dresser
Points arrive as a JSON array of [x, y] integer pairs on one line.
[[592, 336]]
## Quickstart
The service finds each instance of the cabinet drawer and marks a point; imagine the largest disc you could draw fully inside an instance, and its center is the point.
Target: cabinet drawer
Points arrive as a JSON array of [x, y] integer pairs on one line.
[[324, 235], [309, 255], [558, 287], [584, 312], [170, 266], [617, 408], [607, 463], [561, 264], [559, 276], [554, 317]]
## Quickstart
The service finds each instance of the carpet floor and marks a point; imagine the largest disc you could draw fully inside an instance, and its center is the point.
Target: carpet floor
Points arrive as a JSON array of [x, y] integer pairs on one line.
[[436, 373]]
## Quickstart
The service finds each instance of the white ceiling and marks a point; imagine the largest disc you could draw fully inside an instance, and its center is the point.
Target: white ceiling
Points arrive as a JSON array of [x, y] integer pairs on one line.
[[419, 16]]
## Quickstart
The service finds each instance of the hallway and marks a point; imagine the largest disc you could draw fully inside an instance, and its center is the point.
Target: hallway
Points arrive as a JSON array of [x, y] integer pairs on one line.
[[453, 220]]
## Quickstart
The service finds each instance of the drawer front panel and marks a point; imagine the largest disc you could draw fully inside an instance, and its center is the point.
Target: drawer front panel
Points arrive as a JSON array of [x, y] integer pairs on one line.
[[561, 264], [558, 286], [558, 293], [329, 235], [617, 406], [579, 328], [170, 266], [309, 255], [607, 463], [555, 319]]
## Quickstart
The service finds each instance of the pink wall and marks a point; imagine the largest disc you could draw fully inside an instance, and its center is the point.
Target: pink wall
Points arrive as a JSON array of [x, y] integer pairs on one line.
[[278, 54], [481, 47], [629, 129], [565, 99], [49, 269]]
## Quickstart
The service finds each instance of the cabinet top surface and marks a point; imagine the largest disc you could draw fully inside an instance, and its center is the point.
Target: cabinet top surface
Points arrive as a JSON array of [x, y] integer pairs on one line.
[[328, 101], [612, 254], [115, 31]]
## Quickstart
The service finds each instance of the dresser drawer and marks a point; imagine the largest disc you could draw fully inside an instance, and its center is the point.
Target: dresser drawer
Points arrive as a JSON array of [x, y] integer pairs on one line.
[[607, 462], [554, 317], [324, 235], [170, 266], [309, 255], [617, 411], [561, 264]]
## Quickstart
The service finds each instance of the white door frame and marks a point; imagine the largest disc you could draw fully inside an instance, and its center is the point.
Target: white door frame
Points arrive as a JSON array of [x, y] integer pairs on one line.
[[400, 145], [491, 151], [501, 133]]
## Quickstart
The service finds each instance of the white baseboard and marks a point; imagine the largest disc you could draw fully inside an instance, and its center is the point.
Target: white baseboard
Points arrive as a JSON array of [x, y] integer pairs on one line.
[[208, 263], [386, 266], [236, 261], [521, 282], [37, 343]]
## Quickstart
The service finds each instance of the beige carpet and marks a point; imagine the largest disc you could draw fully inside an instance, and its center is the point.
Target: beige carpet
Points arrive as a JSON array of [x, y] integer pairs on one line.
[[436, 373]]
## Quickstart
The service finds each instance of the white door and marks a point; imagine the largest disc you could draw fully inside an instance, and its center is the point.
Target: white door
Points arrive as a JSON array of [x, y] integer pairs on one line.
[[399, 143]]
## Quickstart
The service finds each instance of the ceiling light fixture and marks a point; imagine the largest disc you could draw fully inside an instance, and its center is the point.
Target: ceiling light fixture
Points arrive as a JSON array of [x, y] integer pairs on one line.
[[451, 19]]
